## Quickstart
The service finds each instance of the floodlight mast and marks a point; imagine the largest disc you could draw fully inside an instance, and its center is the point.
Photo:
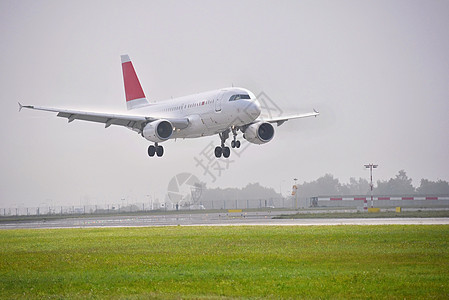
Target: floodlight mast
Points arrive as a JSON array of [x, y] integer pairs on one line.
[[371, 167], [295, 187]]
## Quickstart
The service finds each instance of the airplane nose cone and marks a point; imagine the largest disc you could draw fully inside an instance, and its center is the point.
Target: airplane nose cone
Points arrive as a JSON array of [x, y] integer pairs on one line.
[[254, 109]]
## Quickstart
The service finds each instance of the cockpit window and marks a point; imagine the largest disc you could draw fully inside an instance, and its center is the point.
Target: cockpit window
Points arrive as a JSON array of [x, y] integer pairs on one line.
[[239, 96]]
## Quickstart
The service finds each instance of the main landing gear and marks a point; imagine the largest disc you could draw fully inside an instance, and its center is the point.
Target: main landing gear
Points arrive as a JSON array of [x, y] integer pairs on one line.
[[219, 150], [223, 149], [156, 149]]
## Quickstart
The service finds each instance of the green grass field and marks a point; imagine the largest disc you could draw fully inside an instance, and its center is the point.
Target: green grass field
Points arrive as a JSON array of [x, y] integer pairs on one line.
[[226, 262]]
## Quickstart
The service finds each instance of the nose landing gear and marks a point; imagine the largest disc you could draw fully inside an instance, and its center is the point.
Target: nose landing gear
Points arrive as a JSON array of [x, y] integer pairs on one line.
[[235, 143]]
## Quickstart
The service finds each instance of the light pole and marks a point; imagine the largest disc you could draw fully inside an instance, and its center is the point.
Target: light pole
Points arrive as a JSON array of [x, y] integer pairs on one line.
[[295, 187], [370, 167]]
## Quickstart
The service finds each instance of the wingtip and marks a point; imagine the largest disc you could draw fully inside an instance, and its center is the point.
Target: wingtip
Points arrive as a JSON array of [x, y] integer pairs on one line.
[[125, 58], [24, 106]]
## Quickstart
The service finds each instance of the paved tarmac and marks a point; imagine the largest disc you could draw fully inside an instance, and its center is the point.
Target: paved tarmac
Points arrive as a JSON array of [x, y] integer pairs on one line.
[[209, 219]]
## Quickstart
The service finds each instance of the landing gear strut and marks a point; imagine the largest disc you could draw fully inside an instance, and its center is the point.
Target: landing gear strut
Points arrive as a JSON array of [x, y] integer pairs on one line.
[[235, 143], [223, 150], [156, 149]]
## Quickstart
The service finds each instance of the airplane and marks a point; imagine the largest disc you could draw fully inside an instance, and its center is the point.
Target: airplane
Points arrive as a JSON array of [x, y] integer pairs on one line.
[[223, 111]]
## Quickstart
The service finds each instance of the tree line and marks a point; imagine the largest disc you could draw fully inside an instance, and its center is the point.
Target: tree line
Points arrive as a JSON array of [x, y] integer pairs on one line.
[[401, 184], [328, 185]]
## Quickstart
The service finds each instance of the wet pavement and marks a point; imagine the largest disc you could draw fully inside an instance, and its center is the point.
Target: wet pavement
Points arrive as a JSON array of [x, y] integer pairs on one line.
[[207, 219]]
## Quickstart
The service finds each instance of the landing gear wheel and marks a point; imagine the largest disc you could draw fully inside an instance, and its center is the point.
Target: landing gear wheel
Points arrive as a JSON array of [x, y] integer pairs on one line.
[[235, 144], [223, 150], [151, 150], [160, 151], [218, 151], [226, 152]]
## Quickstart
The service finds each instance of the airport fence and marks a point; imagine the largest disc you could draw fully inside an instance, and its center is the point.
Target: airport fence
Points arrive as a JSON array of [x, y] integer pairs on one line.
[[73, 210], [141, 207], [289, 203], [219, 204]]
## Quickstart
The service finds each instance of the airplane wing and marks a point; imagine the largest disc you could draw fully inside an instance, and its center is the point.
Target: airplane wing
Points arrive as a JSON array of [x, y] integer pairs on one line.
[[280, 120], [134, 122]]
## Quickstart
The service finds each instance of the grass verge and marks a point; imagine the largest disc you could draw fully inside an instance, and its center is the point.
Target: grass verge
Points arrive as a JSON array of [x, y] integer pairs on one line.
[[226, 262]]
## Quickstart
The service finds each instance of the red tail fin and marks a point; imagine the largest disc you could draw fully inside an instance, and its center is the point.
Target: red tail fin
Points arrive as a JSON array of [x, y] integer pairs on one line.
[[135, 96]]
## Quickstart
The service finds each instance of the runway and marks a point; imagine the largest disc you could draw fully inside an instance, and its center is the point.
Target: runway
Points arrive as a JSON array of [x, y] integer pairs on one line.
[[209, 219]]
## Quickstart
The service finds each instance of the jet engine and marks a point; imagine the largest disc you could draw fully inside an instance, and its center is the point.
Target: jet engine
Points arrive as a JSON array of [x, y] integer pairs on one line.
[[158, 131], [259, 133]]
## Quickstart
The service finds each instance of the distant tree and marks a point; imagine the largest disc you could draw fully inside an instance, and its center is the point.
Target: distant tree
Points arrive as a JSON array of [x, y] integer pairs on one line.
[[325, 185], [400, 185], [355, 187], [249, 192], [328, 185], [256, 191], [428, 187]]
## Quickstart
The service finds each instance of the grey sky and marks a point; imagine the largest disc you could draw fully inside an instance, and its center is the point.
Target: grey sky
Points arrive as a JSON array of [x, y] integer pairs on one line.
[[378, 71]]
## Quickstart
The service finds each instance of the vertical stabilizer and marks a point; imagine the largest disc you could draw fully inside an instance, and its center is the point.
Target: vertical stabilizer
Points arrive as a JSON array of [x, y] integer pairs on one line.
[[135, 97]]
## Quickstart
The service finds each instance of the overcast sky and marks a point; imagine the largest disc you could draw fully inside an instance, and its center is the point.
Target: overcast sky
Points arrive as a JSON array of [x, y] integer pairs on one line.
[[378, 71]]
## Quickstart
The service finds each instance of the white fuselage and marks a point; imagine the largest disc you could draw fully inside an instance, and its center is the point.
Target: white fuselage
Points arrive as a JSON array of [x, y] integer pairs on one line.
[[208, 113]]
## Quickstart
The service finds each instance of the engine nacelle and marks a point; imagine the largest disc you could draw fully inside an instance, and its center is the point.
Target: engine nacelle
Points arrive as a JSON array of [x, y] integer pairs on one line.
[[259, 133], [158, 131]]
